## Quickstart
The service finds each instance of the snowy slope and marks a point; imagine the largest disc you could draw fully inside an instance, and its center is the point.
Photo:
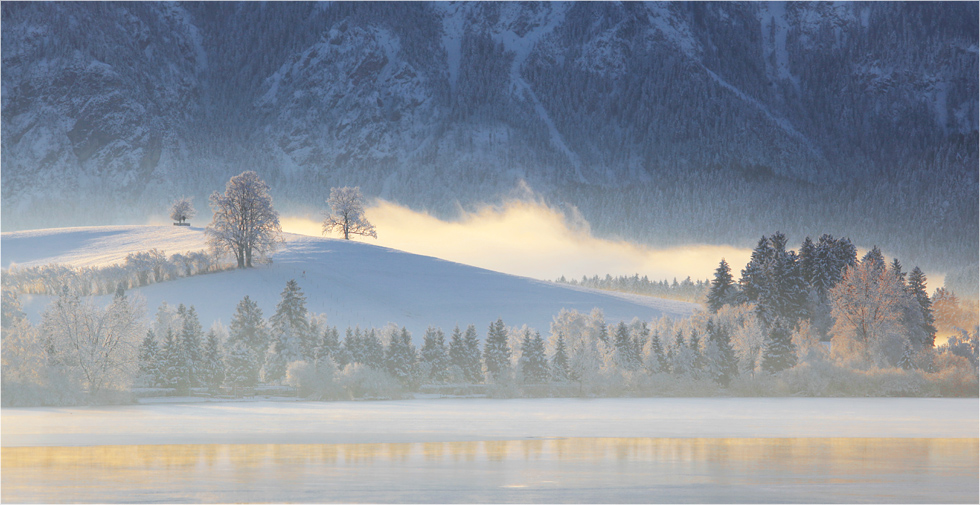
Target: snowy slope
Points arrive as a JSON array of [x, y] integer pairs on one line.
[[350, 282], [95, 246]]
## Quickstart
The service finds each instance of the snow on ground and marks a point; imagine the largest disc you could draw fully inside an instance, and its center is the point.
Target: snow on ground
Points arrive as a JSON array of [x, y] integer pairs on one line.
[[489, 419], [95, 246], [351, 283]]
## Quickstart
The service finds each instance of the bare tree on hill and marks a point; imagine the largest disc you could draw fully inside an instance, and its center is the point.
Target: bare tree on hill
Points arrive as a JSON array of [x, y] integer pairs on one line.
[[347, 214], [244, 222]]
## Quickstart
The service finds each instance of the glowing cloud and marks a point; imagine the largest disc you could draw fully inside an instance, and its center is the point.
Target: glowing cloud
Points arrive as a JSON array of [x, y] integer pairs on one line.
[[532, 240]]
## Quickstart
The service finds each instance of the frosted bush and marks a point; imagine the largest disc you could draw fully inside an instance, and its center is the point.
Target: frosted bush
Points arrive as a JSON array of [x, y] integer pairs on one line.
[[314, 381], [954, 376], [360, 381]]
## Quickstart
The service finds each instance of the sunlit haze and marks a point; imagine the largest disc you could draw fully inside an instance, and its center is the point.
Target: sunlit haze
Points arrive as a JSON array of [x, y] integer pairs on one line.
[[532, 240]]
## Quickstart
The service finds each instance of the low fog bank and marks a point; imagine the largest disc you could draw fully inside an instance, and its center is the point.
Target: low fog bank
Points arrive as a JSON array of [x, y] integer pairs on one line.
[[534, 240], [529, 239]]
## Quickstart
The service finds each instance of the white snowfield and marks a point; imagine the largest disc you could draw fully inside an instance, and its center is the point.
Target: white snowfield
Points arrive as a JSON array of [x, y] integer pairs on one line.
[[95, 246], [448, 420], [349, 282]]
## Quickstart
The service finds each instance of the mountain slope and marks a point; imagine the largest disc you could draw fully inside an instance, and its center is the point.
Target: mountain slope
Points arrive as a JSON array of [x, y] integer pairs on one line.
[[351, 283], [686, 121]]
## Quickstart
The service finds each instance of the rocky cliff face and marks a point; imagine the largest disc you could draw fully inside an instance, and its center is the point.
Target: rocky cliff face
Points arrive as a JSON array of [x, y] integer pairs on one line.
[[600, 105]]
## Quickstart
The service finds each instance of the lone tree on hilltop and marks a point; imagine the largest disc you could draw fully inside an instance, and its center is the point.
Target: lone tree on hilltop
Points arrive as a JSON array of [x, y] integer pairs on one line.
[[347, 213], [244, 221], [182, 209]]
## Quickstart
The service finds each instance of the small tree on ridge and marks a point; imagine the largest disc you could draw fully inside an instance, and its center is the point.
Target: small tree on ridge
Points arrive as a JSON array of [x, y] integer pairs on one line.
[[347, 213]]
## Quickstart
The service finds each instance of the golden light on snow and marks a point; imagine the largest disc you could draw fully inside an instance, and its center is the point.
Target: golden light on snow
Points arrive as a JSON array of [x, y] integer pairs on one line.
[[532, 240]]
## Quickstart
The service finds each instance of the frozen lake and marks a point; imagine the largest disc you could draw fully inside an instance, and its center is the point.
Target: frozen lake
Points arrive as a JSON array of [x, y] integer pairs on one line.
[[883, 450]]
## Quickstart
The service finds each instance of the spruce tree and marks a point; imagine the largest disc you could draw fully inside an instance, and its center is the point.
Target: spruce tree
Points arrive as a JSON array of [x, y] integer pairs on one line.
[[213, 370], [290, 324], [722, 290], [372, 350], [312, 344], [780, 352], [896, 269], [698, 361], [908, 357], [832, 257], [434, 354], [474, 362], [723, 362], [191, 337], [242, 365], [625, 350], [400, 358], [248, 327], [677, 353], [148, 359], [496, 352], [808, 259], [875, 259], [457, 350], [917, 288], [783, 291], [353, 346], [533, 363], [753, 280], [330, 347], [175, 364], [660, 363], [559, 361]]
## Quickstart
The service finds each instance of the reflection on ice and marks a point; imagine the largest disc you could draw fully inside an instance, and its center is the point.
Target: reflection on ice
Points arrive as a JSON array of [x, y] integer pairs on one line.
[[540, 470]]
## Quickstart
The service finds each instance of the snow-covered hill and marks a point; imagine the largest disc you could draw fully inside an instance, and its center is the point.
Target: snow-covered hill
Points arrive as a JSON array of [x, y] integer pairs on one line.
[[351, 283]]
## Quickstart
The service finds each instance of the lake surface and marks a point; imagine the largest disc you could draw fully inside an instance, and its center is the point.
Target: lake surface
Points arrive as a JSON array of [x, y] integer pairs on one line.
[[556, 450], [593, 470]]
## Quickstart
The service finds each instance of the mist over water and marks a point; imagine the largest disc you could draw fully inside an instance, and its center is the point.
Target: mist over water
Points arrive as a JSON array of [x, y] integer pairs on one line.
[[532, 240]]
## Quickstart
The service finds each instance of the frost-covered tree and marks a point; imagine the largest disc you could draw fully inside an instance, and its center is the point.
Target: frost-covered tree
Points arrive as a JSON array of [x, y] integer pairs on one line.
[[434, 355], [722, 290], [248, 327], [868, 305], [182, 209], [533, 363], [779, 353], [12, 311], [347, 214], [496, 352], [212, 372], [290, 331], [101, 344], [244, 222], [946, 308]]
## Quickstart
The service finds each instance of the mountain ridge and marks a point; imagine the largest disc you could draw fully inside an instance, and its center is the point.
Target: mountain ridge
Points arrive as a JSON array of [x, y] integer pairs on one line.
[[597, 106]]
